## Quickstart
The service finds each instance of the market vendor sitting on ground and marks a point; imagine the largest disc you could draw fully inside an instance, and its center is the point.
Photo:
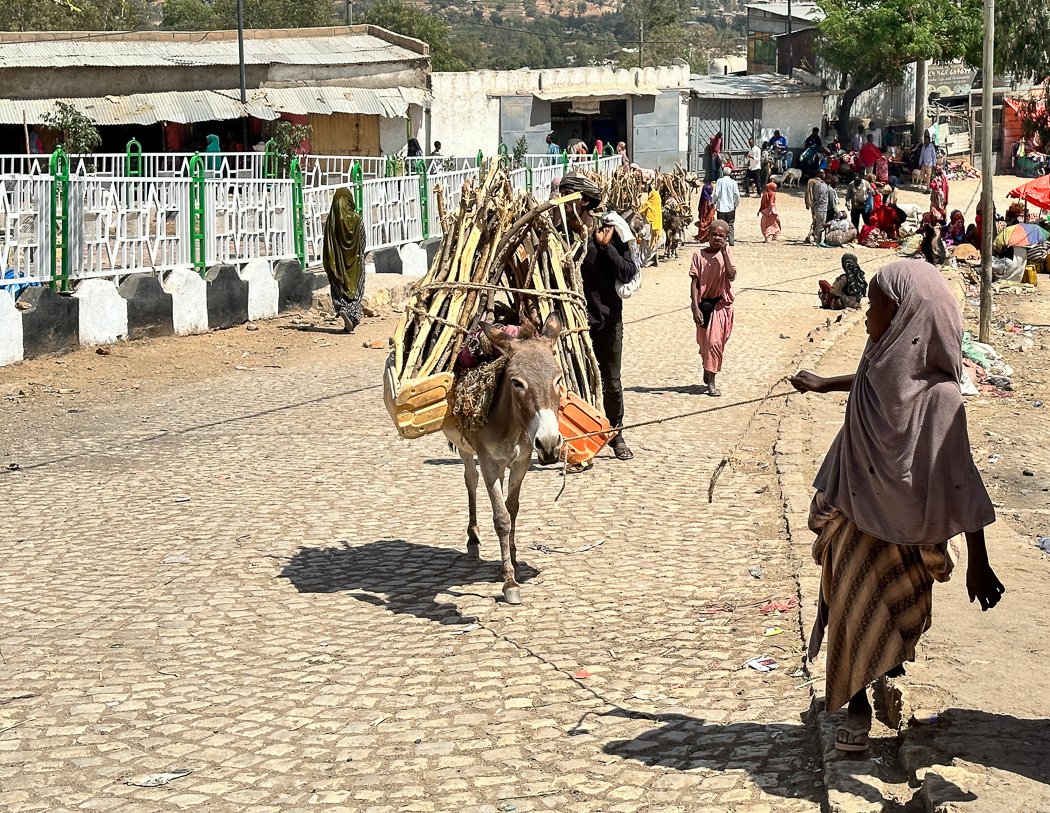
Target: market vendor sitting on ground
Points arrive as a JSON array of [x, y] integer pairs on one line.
[[897, 484]]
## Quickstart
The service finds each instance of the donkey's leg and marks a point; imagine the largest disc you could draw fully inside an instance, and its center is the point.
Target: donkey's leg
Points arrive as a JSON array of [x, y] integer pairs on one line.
[[470, 477], [518, 469], [492, 471]]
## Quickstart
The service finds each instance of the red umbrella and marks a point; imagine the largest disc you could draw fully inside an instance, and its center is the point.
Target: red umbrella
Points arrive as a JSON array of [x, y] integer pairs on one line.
[[1035, 192]]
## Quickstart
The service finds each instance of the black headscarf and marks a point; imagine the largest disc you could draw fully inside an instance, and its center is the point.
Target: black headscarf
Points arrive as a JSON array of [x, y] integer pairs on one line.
[[856, 285]]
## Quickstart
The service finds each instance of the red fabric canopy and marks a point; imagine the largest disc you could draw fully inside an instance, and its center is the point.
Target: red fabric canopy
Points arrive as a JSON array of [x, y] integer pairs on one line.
[[1036, 192]]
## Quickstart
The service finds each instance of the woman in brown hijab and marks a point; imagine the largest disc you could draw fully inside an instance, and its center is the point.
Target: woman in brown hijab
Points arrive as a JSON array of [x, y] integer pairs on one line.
[[344, 258], [897, 484]]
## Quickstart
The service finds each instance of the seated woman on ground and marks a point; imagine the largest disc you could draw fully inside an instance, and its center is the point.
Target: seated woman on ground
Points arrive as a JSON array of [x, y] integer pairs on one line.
[[847, 290]]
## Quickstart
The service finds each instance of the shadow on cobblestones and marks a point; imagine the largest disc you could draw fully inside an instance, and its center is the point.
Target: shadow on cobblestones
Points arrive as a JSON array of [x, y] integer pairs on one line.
[[402, 577], [775, 754]]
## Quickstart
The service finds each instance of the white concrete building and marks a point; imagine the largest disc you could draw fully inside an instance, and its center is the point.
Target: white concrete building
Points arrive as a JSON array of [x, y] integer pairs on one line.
[[645, 108]]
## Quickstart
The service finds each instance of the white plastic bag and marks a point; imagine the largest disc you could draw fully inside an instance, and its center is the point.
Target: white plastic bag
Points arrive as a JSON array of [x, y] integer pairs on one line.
[[626, 290]]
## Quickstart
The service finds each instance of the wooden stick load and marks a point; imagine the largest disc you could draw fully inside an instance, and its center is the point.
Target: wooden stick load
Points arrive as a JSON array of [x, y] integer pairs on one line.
[[501, 255]]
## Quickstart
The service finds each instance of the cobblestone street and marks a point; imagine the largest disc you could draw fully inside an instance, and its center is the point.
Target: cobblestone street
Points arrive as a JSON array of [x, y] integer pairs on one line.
[[247, 575]]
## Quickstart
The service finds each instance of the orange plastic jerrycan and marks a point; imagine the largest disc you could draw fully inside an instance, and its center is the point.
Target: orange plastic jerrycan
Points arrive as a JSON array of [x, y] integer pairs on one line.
[[577, 417]]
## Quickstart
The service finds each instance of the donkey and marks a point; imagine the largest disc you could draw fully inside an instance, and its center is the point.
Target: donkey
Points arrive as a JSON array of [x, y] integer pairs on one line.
[[522, 419]]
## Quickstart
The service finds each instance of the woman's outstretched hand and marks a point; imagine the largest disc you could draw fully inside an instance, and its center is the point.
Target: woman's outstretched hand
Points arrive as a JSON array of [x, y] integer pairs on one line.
[[805, 381], [983, 585]]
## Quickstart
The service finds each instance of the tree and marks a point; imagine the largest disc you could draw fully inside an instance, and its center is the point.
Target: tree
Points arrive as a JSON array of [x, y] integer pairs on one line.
[[666, 36], [871, 42], [78, 133], [432, 29], [1022, 52], [72, 15], [288, 139], [199, 15]]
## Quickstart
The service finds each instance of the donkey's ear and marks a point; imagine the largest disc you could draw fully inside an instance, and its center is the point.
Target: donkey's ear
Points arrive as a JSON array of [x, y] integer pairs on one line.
[[552, 328], [527, 329], [499, 340]]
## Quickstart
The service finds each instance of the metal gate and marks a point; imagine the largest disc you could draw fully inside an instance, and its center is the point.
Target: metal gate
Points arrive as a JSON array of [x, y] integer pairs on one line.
[[976, 100], [736, 118], [705, 119]]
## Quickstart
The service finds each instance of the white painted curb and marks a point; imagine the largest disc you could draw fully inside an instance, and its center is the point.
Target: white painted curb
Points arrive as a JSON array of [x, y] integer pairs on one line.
[[12, 348], [189, 301], [263, 291], [103, 312]]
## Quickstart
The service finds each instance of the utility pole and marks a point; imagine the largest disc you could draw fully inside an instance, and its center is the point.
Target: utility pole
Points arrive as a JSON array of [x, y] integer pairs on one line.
[[349, 12], [641, 42], [987, 170], [244, 88], [789, 17]]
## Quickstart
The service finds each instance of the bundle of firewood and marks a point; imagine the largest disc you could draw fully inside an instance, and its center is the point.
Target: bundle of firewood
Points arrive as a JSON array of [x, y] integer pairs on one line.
[[501, 257], [677, 184], [626, 188]]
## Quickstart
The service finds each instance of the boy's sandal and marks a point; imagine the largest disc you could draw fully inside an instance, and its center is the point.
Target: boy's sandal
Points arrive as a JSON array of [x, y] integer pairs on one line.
[[851, 740]]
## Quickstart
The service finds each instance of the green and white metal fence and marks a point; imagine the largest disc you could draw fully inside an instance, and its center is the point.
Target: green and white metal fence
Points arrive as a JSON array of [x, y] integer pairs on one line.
[[83, 217]]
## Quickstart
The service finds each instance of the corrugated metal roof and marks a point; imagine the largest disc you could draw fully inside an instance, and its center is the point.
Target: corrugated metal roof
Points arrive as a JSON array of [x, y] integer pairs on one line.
[[335, 49], [752, 86], [218, 105], [799, 10], [590, 93]]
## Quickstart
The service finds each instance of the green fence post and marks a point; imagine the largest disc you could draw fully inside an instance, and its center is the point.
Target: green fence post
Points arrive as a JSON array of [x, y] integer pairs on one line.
[[270, 160], [480, 160], [565, 161], [528, 178], [132, 166], [391, 164], [133, 159], [596, 157], [298, 212], [420, 169], [59, 166], [198, 228], [504, 156], [357, 178]]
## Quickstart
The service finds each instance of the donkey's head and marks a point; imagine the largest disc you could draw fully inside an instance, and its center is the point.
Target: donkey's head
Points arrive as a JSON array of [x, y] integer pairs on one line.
[[534, 381]]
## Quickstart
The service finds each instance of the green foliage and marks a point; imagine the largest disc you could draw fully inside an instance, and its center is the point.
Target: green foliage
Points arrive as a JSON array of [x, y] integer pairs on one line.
[[521, 149], [72, 15], [198, 15], [79, 134], [395, 15], [1022, 48], [288, 138], [871, 41]]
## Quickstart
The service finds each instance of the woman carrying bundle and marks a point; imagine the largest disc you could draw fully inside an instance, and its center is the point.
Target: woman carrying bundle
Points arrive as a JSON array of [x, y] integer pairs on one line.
[[897, 484]]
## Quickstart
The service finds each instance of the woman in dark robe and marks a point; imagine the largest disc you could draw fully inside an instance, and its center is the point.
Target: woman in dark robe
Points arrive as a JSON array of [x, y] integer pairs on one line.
[[705, 215], [344, 258]]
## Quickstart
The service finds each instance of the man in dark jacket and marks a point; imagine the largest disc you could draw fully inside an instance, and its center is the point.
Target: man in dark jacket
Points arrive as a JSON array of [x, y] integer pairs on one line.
[[608, 261]]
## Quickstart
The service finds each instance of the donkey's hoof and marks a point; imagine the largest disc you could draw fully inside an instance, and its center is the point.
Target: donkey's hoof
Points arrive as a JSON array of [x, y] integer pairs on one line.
[[512, 595], [474, 550]]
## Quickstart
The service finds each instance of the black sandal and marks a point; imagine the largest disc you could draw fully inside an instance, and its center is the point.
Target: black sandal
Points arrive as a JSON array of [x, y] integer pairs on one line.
[[621, 449]]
